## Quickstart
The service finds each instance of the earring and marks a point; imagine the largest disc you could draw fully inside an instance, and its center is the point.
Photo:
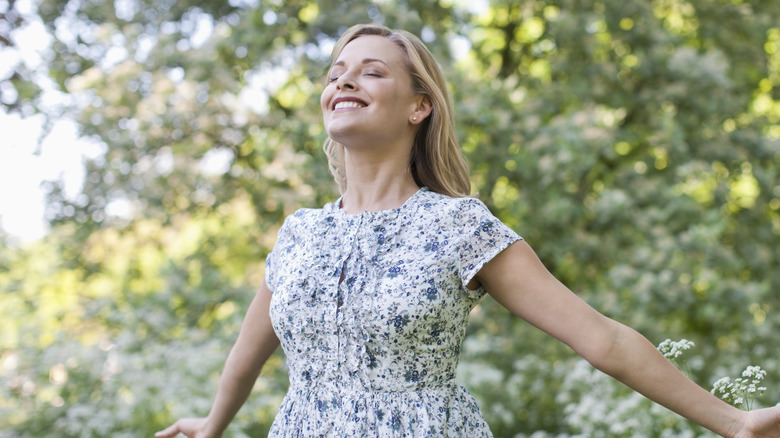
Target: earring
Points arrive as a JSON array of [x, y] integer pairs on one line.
[[414, 119]]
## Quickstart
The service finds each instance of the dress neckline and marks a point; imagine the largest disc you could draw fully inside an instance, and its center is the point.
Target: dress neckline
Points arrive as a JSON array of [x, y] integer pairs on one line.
[[409, 201]]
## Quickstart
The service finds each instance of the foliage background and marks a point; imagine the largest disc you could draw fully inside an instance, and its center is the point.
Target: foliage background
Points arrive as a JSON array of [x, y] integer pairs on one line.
[[633, 143]]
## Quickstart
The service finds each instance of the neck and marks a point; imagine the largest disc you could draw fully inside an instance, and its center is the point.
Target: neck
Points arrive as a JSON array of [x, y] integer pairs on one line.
[[374, 185]]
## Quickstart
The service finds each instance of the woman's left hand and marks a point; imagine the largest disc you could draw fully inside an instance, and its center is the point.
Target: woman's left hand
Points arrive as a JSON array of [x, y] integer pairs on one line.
[[761, 423]]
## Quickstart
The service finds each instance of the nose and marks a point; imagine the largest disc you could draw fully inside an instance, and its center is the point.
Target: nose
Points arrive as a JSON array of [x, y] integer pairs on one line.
[[345, 81]]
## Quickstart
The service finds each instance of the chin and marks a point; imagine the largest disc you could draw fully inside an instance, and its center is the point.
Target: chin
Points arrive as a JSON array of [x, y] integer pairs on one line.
[[340, 132]]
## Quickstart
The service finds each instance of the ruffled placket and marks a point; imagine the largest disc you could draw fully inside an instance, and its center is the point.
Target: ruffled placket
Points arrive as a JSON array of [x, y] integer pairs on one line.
[[370, 235]]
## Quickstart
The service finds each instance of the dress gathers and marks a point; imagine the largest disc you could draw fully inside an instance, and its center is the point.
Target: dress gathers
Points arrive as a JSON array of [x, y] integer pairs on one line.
[[371, 310]]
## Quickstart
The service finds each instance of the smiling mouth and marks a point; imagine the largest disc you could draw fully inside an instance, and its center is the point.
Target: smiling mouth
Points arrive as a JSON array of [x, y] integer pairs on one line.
[[347, 104]]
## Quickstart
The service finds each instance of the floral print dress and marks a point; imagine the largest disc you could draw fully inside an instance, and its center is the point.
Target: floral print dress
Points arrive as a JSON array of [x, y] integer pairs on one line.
[[371, 310]]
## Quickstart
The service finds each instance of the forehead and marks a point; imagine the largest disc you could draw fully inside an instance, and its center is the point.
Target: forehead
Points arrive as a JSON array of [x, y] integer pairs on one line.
[[371, 46]]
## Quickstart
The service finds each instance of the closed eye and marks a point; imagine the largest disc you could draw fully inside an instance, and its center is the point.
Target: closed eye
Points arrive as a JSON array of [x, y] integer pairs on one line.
[[334, 74]]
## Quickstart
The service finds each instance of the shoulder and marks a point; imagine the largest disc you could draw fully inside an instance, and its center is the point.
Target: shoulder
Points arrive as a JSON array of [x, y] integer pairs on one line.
[[303, 216], [306, 220], [470, 218], [447, 205], [458, 211]]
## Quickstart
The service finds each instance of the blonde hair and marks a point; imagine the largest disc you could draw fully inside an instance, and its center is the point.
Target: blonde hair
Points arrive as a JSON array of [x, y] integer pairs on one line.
[[436, 161]]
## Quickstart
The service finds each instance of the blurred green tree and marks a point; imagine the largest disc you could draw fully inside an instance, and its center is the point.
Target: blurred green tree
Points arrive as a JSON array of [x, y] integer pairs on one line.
[[634, 144]]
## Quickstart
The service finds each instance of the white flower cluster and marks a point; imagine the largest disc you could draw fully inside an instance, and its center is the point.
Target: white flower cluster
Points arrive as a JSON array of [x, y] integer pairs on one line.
[[742, 390], [674, 349]]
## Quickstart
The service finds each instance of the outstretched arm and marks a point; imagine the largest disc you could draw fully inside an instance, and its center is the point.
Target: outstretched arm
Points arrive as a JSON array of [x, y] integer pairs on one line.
[[256, 342], [518, 280]]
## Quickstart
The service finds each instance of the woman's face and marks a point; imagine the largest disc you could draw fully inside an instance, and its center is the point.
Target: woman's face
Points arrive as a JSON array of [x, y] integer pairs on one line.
[[369, 97]]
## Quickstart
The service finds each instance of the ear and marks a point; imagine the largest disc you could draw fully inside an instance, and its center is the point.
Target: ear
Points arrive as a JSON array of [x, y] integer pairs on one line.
[[422, 110]]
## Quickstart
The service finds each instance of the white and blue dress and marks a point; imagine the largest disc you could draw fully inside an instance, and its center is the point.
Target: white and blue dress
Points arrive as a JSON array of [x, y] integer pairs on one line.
[[371, 310]]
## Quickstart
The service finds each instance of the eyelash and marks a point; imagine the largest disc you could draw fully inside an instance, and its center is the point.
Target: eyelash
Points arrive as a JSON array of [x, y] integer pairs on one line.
[[334, 78]]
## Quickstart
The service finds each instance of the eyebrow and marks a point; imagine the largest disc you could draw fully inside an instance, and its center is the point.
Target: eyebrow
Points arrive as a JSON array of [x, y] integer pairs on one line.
[[364, 61]]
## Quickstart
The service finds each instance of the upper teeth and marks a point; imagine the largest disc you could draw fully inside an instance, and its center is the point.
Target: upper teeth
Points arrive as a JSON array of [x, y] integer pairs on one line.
[[347, 104]]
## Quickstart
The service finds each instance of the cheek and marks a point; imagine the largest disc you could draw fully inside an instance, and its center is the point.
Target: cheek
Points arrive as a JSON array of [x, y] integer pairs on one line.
[[324, 100], [327, 96]]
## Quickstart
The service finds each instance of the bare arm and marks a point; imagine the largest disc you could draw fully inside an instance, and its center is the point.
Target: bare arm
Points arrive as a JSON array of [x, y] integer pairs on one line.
[[256, 342], [517, 279]]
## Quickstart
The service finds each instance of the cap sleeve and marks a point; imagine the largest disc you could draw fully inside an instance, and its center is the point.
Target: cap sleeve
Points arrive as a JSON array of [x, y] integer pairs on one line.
[[483, 237]]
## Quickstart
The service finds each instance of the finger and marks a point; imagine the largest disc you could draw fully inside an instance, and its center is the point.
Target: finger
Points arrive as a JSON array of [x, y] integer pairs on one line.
[[169, 432]]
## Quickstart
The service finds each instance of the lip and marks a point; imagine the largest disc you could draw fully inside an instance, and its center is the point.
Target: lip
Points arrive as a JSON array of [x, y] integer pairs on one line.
[[346, 99]]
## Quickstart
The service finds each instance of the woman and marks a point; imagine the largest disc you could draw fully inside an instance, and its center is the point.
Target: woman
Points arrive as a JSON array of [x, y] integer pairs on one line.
[[370, 295]]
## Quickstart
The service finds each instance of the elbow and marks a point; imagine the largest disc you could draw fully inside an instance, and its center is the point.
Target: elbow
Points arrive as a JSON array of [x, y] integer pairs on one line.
[[607, 352], [241, 366]]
